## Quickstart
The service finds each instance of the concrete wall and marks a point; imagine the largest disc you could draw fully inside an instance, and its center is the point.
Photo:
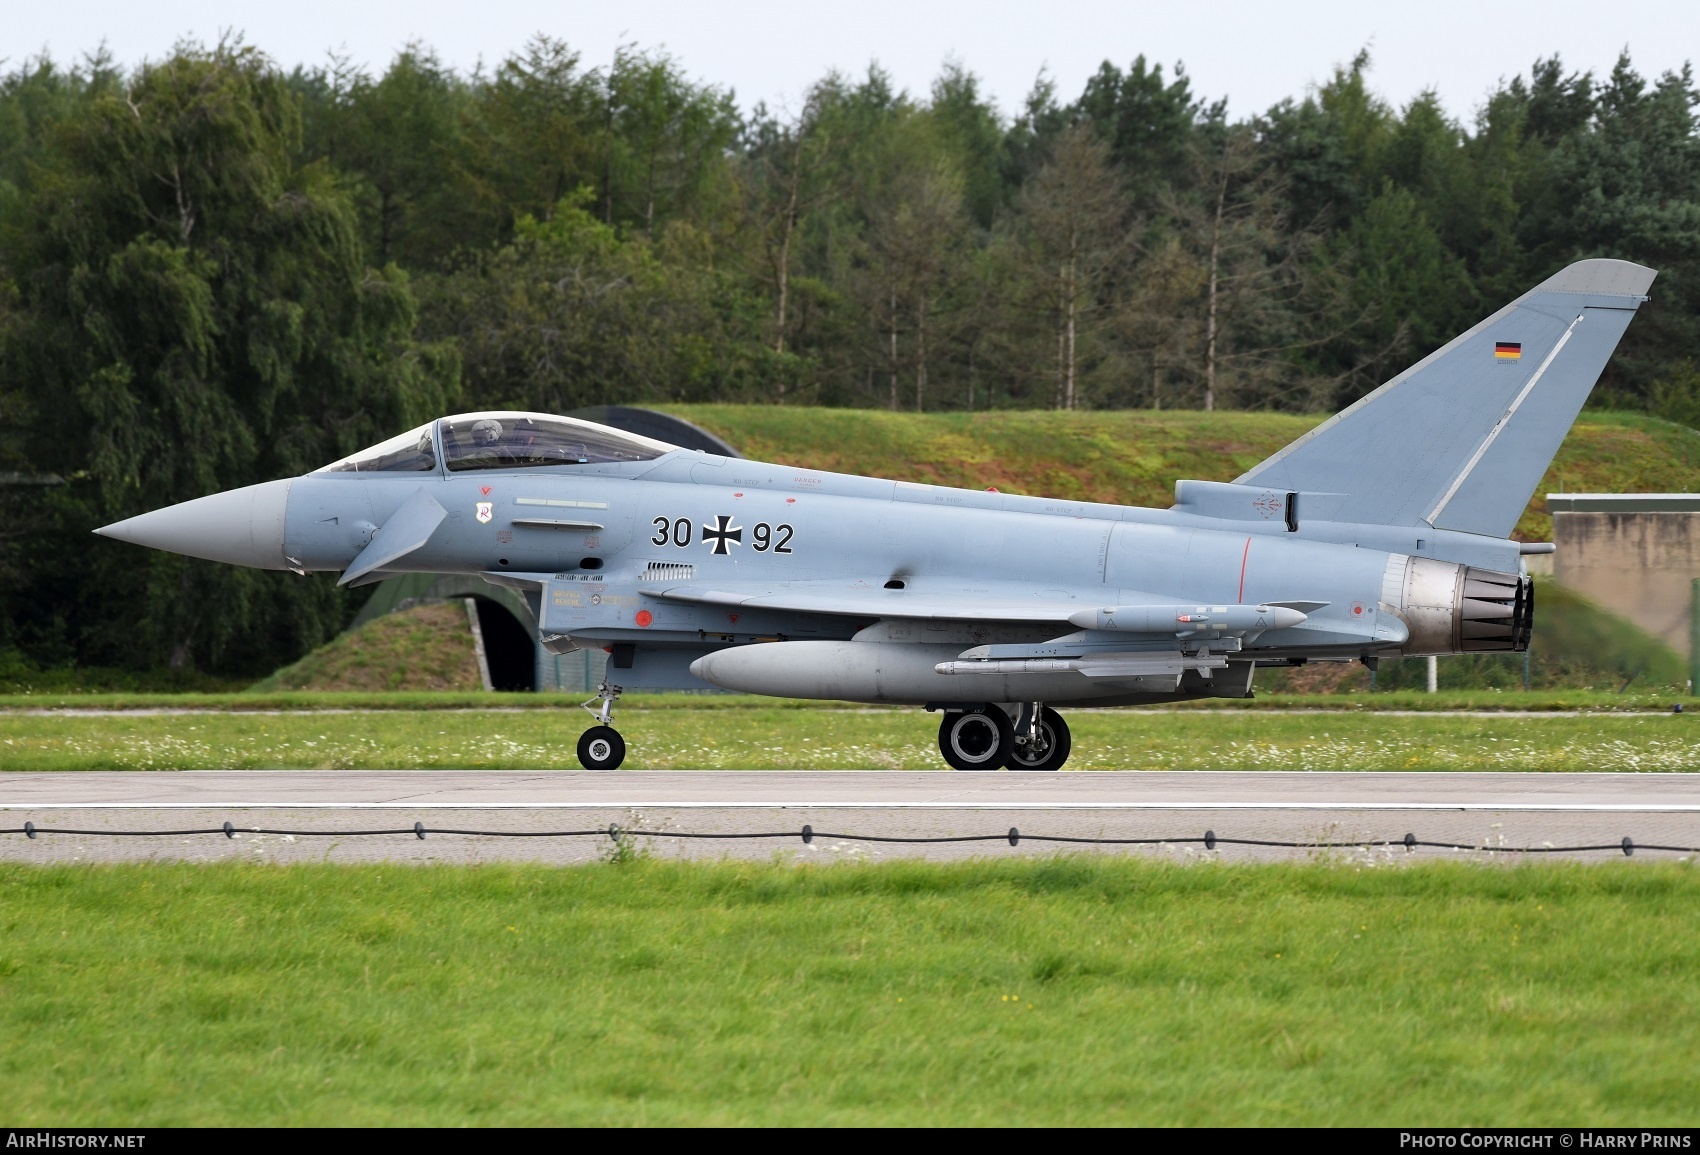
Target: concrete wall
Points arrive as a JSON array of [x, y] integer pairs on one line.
[[1638, 565]]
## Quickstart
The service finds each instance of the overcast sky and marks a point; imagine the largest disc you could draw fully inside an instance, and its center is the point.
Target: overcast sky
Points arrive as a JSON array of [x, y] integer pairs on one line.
[[1254, 53]]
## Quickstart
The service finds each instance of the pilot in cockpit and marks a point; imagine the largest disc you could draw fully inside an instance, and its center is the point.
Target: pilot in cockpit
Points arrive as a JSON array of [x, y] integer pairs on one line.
[[486, 438]]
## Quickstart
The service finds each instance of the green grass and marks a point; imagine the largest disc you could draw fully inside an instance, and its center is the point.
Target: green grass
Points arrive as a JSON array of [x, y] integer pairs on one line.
[[1133, 457], [749, 734], [1051, 991]]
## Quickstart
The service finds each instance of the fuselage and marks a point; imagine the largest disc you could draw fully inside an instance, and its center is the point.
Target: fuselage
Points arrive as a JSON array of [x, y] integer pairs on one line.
[[697, 570], [595, 547]]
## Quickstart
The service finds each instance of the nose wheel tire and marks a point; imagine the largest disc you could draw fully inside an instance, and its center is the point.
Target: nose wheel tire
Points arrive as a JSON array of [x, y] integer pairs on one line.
[[1049, 747], [601, 748], [976, 739]]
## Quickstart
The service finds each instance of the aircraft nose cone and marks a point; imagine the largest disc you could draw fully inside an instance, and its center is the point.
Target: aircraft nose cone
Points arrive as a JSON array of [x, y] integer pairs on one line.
[[240, 527]]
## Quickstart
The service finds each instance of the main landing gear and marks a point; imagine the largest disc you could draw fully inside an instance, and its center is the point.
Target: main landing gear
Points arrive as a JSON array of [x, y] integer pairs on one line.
[[1042, 740], [601, 747], [984, 737]]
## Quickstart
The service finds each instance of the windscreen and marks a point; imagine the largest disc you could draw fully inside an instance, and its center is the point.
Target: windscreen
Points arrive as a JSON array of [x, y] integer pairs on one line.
[[409, 453], [521, 440]]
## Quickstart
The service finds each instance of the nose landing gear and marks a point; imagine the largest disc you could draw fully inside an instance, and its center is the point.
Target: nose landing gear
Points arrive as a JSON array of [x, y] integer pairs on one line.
[[601, 747]]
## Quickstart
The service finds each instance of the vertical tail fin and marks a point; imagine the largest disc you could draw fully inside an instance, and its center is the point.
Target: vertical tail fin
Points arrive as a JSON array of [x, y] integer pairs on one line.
[[1461, 439]]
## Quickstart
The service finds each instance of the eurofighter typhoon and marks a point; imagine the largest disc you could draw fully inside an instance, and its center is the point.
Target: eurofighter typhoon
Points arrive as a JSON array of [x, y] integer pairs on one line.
[[1384, 532]]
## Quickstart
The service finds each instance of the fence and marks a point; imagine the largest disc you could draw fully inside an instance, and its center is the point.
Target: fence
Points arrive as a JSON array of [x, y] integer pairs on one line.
[[1210, 840]]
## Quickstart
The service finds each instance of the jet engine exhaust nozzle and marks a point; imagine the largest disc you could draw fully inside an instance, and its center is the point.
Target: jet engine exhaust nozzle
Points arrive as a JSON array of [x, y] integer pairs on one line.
[[1459, 609]]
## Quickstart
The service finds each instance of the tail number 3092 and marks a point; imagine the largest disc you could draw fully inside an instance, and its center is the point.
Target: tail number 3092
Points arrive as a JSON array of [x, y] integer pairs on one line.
[[678, 531]]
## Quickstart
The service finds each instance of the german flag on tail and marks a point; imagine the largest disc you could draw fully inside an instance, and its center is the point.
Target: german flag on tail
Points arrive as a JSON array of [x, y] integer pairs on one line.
[[1507, 350]]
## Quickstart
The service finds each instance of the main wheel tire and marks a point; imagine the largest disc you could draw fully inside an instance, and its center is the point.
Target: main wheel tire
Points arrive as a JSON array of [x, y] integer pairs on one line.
[[976, 739], [1051, 749], [601, 748]]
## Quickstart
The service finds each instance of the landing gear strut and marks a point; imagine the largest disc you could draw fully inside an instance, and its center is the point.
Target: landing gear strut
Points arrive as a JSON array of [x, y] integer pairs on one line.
[[1041, 739], [984, 738], [601, 747]]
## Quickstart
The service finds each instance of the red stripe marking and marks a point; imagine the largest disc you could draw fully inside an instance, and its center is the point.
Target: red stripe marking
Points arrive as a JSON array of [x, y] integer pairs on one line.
[[1243, 556]]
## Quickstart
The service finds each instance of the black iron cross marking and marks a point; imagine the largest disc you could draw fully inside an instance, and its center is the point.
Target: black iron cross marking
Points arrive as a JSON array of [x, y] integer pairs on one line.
[[722, 533]]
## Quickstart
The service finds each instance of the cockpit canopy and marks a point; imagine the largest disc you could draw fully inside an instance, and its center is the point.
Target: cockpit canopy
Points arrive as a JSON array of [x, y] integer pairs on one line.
[[500, 441]]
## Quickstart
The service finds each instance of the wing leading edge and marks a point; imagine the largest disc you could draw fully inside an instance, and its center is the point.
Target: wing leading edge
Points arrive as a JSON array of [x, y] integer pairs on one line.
[[1157, 616], [865, 600]]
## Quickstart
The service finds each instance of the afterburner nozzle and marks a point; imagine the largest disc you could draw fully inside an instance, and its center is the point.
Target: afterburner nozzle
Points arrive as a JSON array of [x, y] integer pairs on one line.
[[239, 527]]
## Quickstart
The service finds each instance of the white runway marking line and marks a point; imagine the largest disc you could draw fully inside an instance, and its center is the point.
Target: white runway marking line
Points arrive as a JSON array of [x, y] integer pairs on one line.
[[653, 804], [310, 711]]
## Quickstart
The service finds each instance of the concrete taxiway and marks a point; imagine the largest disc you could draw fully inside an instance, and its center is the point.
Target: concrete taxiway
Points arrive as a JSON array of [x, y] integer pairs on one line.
[[1322, 811]]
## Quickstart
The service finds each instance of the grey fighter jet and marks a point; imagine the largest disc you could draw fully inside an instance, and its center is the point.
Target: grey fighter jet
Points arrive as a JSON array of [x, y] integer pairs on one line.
[[1382, 532]]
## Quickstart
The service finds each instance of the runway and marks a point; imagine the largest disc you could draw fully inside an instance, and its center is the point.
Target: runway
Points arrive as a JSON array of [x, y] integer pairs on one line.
[[1323, 811]]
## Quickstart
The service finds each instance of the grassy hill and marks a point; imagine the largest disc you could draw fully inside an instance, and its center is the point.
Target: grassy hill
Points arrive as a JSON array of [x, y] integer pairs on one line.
[[428, 647], [1134, 457]]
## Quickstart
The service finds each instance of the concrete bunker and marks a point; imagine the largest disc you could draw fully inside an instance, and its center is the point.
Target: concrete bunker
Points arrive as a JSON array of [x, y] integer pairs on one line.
[[508, 646]]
